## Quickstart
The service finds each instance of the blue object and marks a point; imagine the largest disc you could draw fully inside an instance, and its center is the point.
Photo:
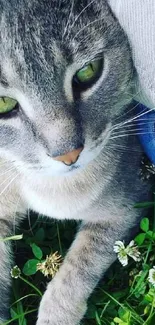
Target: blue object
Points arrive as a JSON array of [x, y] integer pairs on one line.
[[146, 133]]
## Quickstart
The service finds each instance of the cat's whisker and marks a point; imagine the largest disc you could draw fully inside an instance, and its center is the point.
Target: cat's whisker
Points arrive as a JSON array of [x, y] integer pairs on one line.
[[29, 219], [134, 94], [129, 131], [6, 179], [81, 12], [14, 215], [16, 209], [127, 135], [5, 163], [128, 86], [68, 21], [134, 118], [127, 112], [129, 126], [7, 171], [83, 28], [141, 124], [84, 39], [118, 147], [137, 116], [145, 119], [14, 175], [5, 188]]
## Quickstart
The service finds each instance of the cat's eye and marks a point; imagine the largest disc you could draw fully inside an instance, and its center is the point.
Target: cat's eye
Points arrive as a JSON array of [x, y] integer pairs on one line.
[[88, 72], [7, 104], [88, 75]]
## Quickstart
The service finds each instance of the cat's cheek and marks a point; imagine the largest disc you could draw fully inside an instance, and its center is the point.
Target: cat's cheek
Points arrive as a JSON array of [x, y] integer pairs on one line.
[[57, 309]]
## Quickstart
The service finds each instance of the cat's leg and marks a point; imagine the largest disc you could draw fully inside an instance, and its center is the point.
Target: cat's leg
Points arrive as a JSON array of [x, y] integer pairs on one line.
[[5, 267], [91, 254]]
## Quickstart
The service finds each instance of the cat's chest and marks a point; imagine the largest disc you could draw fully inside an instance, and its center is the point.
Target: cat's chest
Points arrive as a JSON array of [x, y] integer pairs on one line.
[[70, 200]]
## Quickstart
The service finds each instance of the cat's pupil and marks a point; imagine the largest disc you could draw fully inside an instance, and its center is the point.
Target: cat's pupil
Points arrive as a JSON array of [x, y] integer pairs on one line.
[[88, 75]]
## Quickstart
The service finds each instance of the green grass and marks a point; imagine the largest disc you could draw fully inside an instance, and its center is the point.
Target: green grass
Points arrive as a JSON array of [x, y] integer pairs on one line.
[[123, 297]]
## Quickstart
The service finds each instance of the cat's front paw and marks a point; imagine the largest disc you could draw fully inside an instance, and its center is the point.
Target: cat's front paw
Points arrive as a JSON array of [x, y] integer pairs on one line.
[[57, 307]]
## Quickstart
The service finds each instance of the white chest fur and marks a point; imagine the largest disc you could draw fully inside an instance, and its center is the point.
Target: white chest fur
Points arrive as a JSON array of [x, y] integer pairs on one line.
[[63, 198]]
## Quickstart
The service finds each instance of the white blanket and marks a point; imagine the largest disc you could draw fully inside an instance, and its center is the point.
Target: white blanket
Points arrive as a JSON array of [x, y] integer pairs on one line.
[[137, 18]]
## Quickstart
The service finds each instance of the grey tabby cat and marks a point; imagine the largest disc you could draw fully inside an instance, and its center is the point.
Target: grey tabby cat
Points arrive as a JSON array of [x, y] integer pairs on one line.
[[65, 82]]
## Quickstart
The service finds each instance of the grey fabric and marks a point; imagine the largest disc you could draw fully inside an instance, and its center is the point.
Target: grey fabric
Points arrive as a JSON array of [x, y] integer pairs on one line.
[[137, 18]]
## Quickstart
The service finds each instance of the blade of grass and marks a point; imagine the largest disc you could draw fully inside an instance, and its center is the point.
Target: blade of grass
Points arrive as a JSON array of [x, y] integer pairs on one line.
[[16, 237], [59, 240], [22, 298], [20, 309], [31, 285], [17, 317], [134, 315]]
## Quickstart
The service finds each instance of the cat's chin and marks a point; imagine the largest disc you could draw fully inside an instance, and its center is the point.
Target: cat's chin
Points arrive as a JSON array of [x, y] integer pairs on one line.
[[75, 169], [48, 172], [67, 172]]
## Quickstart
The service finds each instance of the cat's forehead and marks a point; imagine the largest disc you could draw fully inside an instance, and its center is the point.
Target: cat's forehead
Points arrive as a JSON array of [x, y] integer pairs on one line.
[[56, 26], [43, 37]]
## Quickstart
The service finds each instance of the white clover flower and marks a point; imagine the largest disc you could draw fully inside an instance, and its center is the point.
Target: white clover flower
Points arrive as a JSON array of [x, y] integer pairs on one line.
[[123, 252], [151, 277], [15, 272], [119, 248], [51, 265], [133, 252]]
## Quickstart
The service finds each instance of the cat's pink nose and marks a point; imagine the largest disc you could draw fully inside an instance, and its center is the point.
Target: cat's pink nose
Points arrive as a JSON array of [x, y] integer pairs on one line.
[[70, 157]]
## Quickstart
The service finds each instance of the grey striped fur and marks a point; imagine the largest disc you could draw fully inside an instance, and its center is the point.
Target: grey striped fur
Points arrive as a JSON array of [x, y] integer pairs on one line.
[[42, 45]]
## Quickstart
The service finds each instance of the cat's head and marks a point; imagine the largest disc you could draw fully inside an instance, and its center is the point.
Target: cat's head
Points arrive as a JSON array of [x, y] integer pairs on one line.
[[67, 65]]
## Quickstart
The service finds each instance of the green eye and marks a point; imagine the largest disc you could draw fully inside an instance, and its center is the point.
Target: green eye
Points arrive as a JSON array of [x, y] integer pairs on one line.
[[86, 76], [7, 104]]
